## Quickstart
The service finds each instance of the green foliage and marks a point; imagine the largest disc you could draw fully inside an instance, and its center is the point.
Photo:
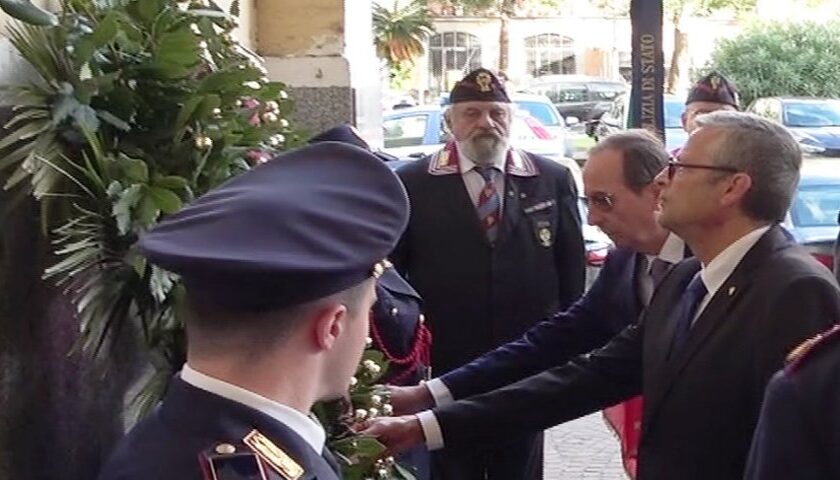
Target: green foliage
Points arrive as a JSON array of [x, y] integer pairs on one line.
[[782, 59], [140, 106], [400, 33], [361, 457]]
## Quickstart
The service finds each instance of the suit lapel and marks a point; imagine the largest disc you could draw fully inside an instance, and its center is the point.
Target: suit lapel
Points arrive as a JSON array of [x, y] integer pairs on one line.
[[517, 191], [457, 203], [716, 313]]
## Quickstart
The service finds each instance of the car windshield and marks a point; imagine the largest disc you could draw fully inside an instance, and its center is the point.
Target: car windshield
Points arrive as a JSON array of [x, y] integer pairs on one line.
[[605, 91], [544, 112], [673, 112], [825, 113], [816, 206]]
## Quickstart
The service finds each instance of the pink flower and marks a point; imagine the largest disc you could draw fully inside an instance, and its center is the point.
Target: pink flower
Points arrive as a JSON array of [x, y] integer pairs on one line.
[[255, 119]]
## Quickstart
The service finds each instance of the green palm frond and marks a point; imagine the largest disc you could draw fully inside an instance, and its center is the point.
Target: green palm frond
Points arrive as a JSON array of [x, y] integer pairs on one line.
[[400, 32]]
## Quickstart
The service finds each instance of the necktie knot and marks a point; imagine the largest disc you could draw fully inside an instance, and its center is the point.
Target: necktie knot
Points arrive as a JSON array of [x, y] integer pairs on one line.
[[487, 173], [658, 269]]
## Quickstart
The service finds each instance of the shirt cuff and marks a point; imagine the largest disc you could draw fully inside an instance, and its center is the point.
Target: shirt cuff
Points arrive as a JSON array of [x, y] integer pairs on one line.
[[431, 430], [440, 392]]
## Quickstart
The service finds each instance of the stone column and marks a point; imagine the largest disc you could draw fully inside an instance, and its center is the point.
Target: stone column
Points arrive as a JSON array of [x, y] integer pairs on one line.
[[323, 49]]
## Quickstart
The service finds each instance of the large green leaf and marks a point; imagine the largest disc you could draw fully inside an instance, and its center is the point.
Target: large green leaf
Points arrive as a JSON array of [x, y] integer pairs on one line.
[[167, 200], [185, 115]]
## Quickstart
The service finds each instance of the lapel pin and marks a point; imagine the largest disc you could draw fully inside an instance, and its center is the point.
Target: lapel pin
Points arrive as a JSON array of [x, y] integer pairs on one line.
[[731, 291], [522, 195]]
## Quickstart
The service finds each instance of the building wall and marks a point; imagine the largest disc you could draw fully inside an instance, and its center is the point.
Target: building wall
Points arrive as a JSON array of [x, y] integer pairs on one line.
[[601, 45]]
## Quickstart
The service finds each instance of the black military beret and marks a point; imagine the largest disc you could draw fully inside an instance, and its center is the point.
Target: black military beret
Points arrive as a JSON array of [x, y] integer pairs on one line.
[[302, 226], [714, 88], [480, 85]]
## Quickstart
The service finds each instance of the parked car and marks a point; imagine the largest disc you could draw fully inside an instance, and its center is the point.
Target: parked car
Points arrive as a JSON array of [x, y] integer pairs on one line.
[[420, 131], [815, 122], [813, 215], [541, 108], [578, 96], [618, 118]]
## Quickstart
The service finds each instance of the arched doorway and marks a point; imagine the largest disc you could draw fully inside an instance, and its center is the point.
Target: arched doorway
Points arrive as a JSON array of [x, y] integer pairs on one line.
[[550, 53], [451, 56]]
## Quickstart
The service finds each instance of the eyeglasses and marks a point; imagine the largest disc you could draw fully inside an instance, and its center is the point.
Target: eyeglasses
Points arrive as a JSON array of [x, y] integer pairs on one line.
[[602, 200], [673, 165]]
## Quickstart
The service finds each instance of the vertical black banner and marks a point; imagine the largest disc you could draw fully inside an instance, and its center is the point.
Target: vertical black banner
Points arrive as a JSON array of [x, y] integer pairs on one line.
[[648, 66]]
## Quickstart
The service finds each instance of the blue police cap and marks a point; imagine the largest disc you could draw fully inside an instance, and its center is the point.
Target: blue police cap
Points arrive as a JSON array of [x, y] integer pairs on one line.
[[307, 224], [348, 134]]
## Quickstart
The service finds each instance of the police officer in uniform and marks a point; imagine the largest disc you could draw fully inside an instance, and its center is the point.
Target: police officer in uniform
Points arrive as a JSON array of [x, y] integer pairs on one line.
[[279, 266], [493, 245], [397, 325], [798, 433]]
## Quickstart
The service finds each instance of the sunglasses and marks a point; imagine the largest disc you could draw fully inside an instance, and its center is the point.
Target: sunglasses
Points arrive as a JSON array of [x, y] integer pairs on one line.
[[673, 165], [602, 200]]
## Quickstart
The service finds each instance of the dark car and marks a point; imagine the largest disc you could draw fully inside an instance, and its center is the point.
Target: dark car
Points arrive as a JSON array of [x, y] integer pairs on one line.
[[812, 219], [815, 122], [617, 118], [578, 96]]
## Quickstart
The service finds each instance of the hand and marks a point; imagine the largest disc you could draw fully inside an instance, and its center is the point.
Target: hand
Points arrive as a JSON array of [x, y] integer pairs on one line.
[[398, 434], [408, 400]]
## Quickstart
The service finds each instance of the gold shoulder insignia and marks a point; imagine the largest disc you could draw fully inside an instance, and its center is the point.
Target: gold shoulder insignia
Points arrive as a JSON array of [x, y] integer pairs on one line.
[[803, 350], [273, 455]]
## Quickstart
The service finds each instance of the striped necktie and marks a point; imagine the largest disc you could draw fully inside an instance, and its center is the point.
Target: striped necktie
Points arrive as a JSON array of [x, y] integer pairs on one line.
[[489, 203]]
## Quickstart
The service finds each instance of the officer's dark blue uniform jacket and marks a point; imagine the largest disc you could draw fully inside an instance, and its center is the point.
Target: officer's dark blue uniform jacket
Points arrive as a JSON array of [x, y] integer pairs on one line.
[[798, 434], [396, 319], [611, 304], [478, 296], [166, 445]]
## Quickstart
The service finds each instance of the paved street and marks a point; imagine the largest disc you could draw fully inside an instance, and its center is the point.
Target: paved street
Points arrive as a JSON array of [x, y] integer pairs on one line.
[[584, 449]]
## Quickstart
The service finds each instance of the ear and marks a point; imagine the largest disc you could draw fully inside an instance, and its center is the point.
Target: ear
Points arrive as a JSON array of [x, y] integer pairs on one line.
[[330, 322], [737, 187], [683, 117]]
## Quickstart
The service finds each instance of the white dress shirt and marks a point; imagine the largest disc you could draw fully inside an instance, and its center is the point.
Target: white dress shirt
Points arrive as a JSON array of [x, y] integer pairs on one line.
[[312, 432], [721, 267], [672, 251], [475, 182]]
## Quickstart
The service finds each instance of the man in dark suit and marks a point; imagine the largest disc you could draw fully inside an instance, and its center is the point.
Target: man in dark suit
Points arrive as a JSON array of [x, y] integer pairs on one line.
[[493, 245], [711, 338], [276, 315], [798, 433], [622, 199]]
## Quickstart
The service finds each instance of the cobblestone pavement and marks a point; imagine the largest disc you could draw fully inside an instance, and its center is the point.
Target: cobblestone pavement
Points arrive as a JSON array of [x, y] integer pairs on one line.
[[583, 449]]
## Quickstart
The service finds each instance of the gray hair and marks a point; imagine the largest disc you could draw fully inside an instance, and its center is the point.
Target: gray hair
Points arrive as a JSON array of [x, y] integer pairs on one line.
[[767, 152], [644, 155]]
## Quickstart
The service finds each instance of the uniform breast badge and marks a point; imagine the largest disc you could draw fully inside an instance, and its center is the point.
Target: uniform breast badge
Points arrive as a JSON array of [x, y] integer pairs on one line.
[[545, 237], [273, 455]]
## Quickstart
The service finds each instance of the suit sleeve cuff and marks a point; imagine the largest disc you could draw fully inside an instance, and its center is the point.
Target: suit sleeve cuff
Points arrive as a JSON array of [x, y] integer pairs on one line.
[[440, 392], [431, 430]]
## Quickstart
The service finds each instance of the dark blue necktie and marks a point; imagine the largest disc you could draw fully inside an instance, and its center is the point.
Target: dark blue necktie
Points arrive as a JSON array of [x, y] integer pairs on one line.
[[685, 311]]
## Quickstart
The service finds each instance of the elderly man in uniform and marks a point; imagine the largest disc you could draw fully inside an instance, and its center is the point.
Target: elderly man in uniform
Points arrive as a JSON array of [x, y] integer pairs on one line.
[[279, 266], [493, 245]]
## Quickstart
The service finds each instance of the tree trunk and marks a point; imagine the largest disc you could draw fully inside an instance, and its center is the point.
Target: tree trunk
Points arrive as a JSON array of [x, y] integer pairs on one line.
[[504, 44], [680, 47], [507, 9]]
